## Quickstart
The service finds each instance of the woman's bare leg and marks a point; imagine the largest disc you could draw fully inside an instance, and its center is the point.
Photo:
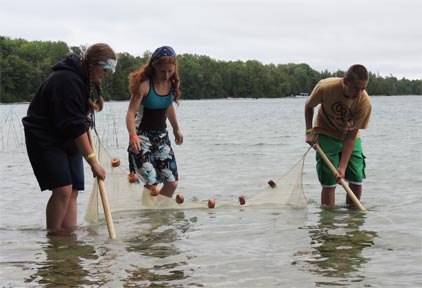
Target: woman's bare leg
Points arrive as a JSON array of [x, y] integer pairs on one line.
[[57, 206], [169, 188], [71, 216]]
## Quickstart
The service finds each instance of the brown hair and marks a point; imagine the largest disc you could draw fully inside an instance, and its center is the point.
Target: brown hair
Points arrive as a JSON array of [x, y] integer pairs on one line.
[[94, 54], [357, 72], [147, 71]]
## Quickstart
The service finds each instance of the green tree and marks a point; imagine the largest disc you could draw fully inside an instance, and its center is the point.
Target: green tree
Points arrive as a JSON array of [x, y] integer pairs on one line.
[[25, 64]]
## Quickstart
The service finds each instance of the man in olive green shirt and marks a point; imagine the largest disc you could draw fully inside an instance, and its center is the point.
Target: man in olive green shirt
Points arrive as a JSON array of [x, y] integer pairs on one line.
[[345, 108]]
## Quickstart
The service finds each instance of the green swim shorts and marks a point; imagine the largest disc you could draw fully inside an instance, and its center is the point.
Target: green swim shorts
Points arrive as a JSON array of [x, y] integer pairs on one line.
[[355, 172]]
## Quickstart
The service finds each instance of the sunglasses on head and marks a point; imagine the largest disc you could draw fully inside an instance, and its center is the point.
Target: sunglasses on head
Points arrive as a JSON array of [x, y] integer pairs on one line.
[[109, 65]]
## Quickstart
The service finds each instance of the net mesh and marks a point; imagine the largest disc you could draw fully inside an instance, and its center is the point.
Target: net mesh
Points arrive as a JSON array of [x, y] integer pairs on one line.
[[125, 196]]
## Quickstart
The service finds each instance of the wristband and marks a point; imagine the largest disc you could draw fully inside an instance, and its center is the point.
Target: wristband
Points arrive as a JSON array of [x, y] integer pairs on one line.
[[133, 137], [90, 156], [310, 131]]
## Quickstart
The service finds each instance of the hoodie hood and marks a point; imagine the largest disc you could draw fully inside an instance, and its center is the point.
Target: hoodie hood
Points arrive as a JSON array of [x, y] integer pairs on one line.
[[70, 63], [59, 109]]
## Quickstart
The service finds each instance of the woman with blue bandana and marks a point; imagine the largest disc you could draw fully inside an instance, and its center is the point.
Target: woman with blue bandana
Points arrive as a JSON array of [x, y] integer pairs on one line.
[[56, 131], [154, 88]]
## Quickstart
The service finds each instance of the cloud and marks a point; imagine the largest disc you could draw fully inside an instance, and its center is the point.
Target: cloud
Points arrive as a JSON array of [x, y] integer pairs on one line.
[[384, 35]]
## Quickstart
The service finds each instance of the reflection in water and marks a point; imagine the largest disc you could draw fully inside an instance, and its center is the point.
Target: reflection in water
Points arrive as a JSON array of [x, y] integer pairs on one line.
[[63, 265], [151, 257], [337, 243], [157, 240]]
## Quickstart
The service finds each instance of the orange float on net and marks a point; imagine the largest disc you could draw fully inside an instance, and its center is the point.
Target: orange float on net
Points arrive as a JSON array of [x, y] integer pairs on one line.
[[242, 200], [180, 198], [272, 184], [154, 191], [211, 203], [115, 162], [132, 177]]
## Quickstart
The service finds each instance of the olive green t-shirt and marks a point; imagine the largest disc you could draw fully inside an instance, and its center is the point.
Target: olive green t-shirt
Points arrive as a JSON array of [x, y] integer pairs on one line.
[[338, 114]]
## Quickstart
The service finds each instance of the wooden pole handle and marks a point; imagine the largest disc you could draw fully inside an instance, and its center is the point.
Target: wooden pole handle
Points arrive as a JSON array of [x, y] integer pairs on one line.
[[342, 182], [103, 194]]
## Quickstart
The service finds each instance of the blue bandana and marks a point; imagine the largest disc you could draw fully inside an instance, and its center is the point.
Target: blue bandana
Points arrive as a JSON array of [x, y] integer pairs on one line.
[[163, 51]]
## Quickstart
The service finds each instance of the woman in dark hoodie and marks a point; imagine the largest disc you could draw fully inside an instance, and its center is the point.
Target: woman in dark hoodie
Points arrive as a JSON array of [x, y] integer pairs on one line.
[[56, 131]]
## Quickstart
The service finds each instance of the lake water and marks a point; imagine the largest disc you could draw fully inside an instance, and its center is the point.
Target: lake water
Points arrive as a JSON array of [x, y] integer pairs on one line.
[[231, 147]]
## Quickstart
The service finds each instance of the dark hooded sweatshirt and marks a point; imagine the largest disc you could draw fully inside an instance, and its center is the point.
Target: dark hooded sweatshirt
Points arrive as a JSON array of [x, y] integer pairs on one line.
[[58, 111]]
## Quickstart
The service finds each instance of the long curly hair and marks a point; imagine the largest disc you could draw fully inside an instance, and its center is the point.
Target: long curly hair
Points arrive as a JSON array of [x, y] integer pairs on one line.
[[147, 71], [94, 54]]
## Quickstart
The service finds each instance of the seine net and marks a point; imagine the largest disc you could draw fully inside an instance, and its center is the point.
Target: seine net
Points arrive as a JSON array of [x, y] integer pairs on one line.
[[124, 196]]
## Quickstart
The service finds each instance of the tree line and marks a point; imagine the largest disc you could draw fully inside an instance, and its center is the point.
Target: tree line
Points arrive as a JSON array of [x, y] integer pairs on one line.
[[26, 64]]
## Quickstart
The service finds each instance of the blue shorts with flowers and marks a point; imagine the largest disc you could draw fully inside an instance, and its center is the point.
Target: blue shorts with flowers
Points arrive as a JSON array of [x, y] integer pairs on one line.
[[155, 163]]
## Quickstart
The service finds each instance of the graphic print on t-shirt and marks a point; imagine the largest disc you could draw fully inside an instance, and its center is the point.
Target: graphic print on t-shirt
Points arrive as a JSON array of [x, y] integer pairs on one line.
[[343, 114]]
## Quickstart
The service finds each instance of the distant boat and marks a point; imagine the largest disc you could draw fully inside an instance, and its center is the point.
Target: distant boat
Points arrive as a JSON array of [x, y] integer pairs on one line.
[[299, 95]]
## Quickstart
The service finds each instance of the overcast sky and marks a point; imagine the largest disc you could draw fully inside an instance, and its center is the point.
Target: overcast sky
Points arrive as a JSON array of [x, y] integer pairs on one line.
[[383, 35]]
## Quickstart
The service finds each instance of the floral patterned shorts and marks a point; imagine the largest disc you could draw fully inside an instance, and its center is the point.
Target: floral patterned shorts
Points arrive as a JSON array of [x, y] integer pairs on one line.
[[156, 162]]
